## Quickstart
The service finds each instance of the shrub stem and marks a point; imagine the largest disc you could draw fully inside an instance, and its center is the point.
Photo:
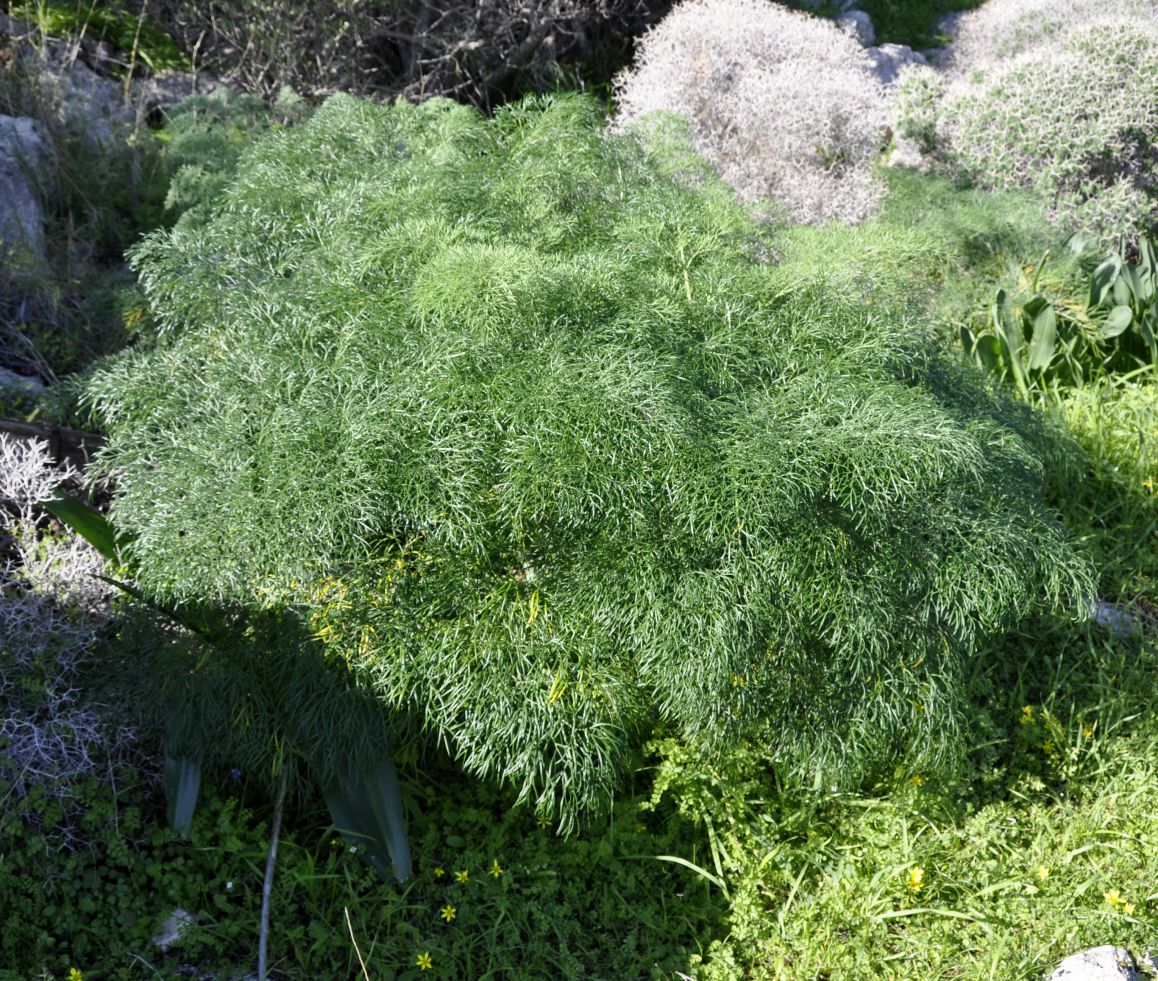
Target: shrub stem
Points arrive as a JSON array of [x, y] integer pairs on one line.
[[267, 887]]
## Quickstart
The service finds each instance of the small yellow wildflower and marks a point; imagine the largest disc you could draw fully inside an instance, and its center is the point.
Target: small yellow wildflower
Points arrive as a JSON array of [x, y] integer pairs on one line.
[[463, 875], [1048, 747], [448, 912], [75, 975], [1042, 873], [1128, 908], [424, 962], [496, 869], [439, 872], [916, 878], [1026, 715], [1113, 897], [1087, 731], [916, 780]]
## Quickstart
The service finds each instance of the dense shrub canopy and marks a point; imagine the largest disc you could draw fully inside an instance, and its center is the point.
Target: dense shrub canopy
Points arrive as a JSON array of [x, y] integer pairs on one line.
[[518, 417]]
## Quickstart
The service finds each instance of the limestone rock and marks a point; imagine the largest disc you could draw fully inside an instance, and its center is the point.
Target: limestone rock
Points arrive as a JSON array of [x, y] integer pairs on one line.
[[91, 105], [1106, 963], [858, 24], [161, 92], [887, 60], [173, 928], [24, 171], [1115, 618], [21, 384]]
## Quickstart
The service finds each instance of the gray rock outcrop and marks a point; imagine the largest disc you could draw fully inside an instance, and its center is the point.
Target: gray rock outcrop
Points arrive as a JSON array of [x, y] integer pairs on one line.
[[24, 173], [887, 60], [1106, 963], [859, 25]]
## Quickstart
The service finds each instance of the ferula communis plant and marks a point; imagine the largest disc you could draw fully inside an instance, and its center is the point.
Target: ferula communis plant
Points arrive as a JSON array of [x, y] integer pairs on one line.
[[516, 417]]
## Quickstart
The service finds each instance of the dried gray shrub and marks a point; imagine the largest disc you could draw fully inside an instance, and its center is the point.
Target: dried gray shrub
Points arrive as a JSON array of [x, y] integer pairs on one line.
[[784, 106], [52, 608]]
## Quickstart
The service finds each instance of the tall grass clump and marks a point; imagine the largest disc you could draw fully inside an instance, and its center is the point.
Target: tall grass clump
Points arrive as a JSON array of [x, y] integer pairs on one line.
[[784, 106], [514, 418]]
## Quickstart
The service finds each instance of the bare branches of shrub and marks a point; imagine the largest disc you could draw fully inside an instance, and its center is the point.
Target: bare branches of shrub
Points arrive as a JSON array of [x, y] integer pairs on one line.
[[475, 52], [52, 609]]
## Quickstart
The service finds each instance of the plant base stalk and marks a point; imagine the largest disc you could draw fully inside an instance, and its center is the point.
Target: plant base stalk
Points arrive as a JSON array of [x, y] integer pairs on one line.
[[271, 859]]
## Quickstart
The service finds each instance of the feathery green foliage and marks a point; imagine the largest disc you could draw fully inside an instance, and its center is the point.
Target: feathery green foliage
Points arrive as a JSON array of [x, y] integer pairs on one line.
[[515, 418]]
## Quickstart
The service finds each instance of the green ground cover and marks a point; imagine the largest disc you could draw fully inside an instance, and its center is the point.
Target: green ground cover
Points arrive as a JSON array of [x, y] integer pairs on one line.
[[1040, 840]]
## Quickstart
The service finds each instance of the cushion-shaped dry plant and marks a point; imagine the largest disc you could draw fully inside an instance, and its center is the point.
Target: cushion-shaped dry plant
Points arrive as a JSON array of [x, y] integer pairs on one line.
[[515, 417], [1075, 120], [985, 38], [783, 105]]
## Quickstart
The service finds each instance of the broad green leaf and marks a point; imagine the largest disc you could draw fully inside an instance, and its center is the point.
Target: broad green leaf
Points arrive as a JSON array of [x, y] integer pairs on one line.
[[1034, 305], [1149, 326], [1124, 289], [1146, 259], [1117, 321], [87, 522], [988, 353], [385, 795], [1041, 347]]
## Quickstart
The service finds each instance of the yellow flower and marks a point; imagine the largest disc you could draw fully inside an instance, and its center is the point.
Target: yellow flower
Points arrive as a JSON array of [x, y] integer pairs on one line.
[[1026, 715], [1128, 908], [463, 875], [1042, 873], [1113, 897], [916, 878], [448, 912], [439, 873], [1048, 747], [424, 962], [1087, 731], [916, 780], [496, 869], [75, 975]]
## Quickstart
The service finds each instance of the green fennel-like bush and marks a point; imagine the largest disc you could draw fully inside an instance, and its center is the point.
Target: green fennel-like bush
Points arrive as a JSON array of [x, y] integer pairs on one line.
[[516, 419]]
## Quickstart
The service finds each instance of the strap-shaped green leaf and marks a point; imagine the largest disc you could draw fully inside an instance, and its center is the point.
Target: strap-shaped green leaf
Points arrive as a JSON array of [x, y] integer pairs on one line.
[[1041, 347], [182, 784], [1103, 279], [1125, 290], [367, 809], [86, 521]]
